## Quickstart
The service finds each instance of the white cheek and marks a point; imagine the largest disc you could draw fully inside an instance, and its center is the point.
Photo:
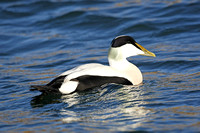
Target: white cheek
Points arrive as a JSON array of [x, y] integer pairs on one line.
[[130, 50]]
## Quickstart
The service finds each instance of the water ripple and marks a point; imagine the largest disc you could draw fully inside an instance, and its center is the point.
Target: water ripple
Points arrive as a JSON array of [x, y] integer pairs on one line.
[[41, 39]]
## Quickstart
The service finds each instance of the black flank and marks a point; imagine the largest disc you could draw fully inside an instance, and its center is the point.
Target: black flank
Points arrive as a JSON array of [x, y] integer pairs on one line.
[[88, 81], [85, 82]]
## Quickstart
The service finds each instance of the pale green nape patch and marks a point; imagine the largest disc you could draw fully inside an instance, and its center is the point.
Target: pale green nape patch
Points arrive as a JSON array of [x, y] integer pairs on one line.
[[115, 54]]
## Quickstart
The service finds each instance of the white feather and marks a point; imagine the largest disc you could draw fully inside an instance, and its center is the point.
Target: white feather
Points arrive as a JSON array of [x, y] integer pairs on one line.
[[124, 51], [95, 69], [68, 87], [80, 68]]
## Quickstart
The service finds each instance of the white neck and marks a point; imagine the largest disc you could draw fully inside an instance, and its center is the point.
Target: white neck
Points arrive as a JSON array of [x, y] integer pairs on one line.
[[121, 64]]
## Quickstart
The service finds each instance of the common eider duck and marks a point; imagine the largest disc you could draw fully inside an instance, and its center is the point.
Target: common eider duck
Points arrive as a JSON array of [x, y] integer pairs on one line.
[[119, 71]]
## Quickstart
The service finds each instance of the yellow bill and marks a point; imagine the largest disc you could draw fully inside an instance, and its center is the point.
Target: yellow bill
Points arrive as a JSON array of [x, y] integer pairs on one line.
[[146, 52]]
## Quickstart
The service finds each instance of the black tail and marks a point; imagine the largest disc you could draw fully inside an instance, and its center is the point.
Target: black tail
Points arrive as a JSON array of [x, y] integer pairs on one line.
[[51, 87], [44, 89]]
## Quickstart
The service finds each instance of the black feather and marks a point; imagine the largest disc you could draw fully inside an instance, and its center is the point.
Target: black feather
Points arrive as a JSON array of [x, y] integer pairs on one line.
[[88, 81], [52, 86], [85, 82], [123, 40]]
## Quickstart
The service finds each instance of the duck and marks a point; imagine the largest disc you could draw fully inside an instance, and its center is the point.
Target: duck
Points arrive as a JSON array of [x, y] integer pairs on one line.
[[119, 71]]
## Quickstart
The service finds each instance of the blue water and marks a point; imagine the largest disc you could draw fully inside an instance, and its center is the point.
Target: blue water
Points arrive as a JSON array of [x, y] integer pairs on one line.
[[40, 39]]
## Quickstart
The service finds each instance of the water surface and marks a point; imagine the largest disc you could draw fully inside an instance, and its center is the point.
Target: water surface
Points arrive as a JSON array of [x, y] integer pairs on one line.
[[41, 39]]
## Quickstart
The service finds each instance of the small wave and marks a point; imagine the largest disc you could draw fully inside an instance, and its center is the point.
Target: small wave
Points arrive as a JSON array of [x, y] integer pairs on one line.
[[181, 66]]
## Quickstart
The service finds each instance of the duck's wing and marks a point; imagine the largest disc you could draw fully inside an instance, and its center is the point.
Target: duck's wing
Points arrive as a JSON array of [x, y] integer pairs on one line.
[[56, 83], [90, 81], [81, 68], [91, 77], [84, 77], [93, 70]]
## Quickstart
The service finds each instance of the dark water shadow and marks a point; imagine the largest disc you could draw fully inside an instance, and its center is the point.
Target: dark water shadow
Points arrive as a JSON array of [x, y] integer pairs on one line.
[[44, 99], [53, 98]]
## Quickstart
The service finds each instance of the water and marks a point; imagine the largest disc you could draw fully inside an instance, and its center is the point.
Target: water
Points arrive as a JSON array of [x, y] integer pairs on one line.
[[41, 39]]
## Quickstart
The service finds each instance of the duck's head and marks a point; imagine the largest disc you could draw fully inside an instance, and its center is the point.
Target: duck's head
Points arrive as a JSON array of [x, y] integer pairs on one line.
[[124, 46]]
